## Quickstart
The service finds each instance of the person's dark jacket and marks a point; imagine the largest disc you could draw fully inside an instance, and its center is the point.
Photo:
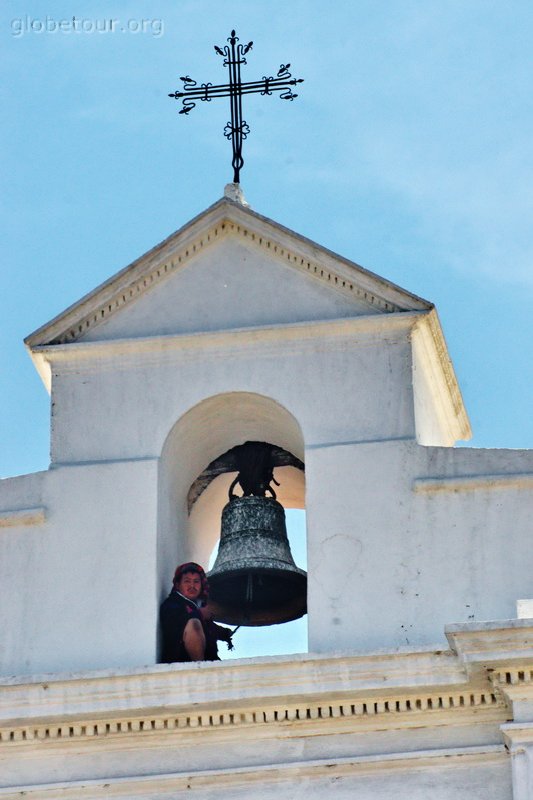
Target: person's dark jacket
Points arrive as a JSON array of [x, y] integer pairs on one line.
[[174, 614]]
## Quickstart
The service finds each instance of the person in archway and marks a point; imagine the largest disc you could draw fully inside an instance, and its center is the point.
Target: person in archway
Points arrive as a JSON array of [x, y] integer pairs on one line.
[[188, 630]]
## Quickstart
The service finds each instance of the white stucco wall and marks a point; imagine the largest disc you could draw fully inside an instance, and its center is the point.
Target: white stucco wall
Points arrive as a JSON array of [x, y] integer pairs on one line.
[[101, 411], [235, 286], [78, 590], [404, 535], [390, 564], [391, 559], [142, 403]]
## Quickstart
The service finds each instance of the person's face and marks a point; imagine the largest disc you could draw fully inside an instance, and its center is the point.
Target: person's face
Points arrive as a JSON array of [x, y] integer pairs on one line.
[[190, 585]]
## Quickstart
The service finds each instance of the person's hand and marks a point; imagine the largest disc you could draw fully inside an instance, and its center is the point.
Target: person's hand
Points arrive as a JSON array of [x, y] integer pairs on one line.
[[225, 635]]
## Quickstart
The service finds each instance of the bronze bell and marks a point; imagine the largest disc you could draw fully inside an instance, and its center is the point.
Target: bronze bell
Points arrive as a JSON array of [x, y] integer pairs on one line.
[[254, 580]]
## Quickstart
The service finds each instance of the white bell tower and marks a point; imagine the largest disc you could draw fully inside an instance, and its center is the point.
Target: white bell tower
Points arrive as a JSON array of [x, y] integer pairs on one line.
[[236, 329]]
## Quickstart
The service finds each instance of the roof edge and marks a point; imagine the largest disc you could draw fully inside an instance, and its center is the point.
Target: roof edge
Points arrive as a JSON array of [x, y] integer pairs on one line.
[[127, 284], [431, 353]]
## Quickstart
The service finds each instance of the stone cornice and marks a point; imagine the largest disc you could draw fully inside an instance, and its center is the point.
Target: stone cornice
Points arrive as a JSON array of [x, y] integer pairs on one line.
[[301, 677], [516, 680], [385, 690], [517, 734], [256, 777], [505, 644], [262, 340], [224, 218], [330, 715], [266, 340], [435, 360], [515, 684]]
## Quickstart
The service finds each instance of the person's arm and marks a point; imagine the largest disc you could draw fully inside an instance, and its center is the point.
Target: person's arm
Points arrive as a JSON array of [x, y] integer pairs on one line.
[[174, 618]]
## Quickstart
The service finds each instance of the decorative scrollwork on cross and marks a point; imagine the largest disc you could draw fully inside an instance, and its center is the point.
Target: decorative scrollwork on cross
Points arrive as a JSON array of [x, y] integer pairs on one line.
[[236, 129]]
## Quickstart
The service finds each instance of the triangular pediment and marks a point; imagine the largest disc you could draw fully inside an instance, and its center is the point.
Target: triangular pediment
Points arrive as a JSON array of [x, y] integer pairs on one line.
[[228, 268]]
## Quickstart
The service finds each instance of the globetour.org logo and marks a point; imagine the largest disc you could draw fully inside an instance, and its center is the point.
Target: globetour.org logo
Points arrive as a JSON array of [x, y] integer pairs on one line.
[[84, 25]]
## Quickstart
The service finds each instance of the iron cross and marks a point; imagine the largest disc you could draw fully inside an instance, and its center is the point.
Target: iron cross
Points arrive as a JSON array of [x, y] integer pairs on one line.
[[237, 129]]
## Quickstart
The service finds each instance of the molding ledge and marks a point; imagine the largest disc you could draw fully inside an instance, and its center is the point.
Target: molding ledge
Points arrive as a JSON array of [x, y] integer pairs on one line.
[[488, 645], [22, 517], [515, 685], [253, 682], [487, 677], [330, 715], [264, 341], [247, 777], [224, 218], [471, 483], [517, 735], [282, 697], [431, 355]]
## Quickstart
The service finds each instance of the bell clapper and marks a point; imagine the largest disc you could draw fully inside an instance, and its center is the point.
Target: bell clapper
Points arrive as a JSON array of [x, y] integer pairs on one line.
[[249, 590]]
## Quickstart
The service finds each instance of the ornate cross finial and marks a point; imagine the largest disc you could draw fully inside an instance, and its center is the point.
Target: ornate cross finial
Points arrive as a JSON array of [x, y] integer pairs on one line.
[[237, 129]]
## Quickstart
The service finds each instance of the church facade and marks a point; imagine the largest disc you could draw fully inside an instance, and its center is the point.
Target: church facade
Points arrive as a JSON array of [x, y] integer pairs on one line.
[[419, 677]]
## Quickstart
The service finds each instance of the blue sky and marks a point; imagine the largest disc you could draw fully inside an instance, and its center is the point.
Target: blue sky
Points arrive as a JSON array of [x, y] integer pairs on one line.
[[409, 150]]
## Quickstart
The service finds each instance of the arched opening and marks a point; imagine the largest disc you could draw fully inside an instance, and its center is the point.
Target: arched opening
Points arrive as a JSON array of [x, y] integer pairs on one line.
[[189, 519]]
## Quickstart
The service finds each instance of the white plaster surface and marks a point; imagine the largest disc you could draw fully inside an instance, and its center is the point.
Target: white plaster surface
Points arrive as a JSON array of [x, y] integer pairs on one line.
[[367, 779], [404, 533], [79, 591], [237, 286], [147, 395], [403, 563], [394, 551]]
